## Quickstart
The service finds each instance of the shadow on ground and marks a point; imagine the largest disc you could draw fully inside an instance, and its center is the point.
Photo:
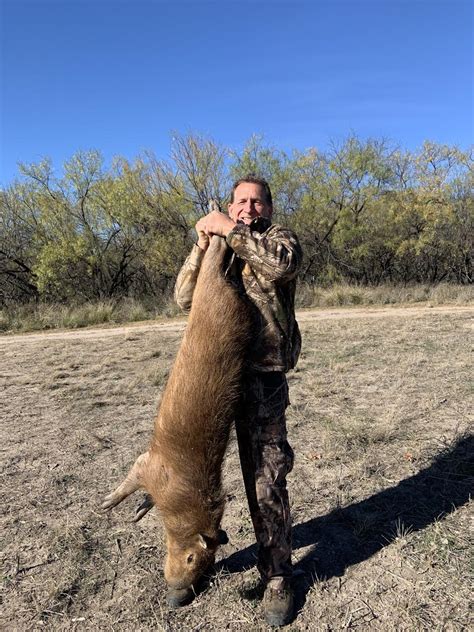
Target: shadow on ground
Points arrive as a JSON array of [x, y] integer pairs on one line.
[[352, 534]]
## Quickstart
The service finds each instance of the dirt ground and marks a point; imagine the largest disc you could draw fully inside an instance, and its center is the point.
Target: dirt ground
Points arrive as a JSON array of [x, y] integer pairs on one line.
[[381, 424]]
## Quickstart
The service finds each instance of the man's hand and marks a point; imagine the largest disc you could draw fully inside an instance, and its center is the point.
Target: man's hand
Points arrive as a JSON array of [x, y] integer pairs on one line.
[[203, 239], [215, 223]]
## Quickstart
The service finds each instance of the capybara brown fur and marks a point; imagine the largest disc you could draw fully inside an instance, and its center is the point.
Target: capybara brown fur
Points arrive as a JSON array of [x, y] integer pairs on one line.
[[181, 470]]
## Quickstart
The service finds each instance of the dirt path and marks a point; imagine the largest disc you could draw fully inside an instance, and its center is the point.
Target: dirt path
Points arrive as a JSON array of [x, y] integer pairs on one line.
[[380, 422], [178, 324]]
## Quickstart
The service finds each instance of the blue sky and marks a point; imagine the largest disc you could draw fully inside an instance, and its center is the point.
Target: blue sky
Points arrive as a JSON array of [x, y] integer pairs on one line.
[[121, 75]]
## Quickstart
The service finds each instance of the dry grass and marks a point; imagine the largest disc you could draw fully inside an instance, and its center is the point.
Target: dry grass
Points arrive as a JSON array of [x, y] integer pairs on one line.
[[343, 294], [39, 317], [32, 317], [380, 491]]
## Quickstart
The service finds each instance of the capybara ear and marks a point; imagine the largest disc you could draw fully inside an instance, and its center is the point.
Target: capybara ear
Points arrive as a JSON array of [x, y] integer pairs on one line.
[[203, 540], [222, 537], [207, 542]]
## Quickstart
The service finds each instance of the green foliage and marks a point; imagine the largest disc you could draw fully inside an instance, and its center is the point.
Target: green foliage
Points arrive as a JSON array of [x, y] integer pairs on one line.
[[60, 260], [365, 212]]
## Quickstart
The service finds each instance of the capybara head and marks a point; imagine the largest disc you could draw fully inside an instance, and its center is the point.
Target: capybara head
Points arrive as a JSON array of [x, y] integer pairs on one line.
[[186, 563]]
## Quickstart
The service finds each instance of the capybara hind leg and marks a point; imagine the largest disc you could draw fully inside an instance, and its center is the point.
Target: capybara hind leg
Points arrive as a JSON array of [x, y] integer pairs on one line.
[[132, 482]]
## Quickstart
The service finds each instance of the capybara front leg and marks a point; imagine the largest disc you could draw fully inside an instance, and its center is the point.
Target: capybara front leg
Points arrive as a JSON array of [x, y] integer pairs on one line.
[[144, 508]]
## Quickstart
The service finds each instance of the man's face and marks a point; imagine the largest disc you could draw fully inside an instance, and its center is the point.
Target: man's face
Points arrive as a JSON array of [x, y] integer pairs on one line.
[[249, 202]]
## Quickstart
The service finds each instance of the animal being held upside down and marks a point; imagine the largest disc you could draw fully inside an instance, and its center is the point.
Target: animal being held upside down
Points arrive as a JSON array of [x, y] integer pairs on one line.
[[182, 469]]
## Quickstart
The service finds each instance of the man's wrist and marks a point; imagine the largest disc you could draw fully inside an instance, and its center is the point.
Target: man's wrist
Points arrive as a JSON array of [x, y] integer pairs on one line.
[[228, 226]]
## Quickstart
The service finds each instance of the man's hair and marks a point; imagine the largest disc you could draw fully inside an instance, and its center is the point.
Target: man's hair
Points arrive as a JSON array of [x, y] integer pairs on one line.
[[252, 179]]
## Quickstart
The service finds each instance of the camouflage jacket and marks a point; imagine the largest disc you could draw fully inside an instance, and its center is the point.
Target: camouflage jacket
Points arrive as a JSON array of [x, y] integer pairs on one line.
[[266, 259]]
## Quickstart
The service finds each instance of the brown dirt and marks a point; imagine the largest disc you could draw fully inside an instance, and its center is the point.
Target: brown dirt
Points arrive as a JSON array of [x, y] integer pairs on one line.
[[380, 422]]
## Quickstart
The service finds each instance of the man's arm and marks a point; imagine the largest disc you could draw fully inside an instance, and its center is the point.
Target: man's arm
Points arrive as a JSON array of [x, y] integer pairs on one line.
[[187, 277], [276, 254]]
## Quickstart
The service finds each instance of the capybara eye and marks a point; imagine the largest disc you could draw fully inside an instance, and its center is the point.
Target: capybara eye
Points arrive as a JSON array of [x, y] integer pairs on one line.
[[190, 558]]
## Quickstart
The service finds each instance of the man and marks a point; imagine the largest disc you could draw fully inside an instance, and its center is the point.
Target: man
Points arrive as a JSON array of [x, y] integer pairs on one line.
[[266, 260]]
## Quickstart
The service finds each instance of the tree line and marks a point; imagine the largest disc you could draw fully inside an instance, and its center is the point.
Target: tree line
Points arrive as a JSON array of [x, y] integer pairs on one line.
[[365, 212]]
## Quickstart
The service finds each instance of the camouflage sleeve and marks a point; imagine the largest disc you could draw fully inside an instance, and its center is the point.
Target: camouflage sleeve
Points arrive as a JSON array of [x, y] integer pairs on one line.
[[276, 253], [187, 277]]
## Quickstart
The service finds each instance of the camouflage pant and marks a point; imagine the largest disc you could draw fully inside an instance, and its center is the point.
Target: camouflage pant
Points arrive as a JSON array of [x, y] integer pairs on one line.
[[266, 458]]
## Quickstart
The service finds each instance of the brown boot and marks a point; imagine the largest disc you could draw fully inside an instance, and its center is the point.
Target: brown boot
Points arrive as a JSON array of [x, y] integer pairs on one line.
[[278, 605]]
